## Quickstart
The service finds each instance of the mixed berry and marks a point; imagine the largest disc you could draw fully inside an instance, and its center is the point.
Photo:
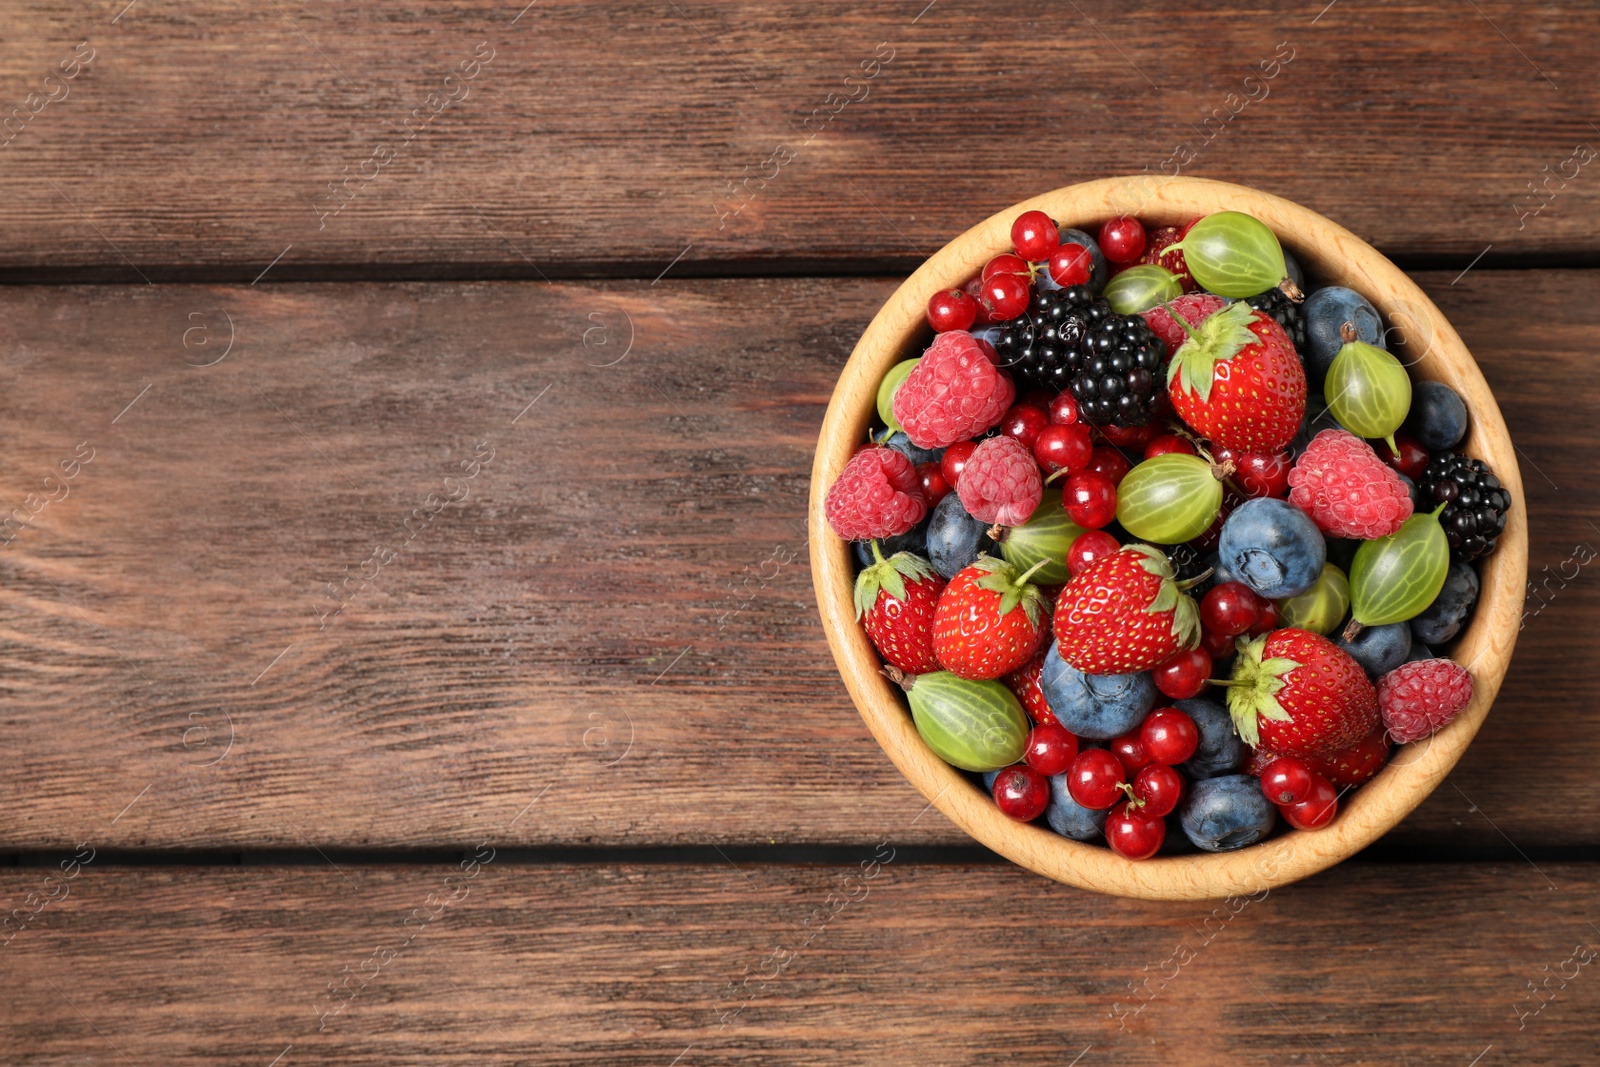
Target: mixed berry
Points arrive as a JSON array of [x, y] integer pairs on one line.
[[1162, 547]]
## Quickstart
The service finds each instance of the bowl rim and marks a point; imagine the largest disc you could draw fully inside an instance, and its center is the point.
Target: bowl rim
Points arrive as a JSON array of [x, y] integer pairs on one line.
[[1428, 344]]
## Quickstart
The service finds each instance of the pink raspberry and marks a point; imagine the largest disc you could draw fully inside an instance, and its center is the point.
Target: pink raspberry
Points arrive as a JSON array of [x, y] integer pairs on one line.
[[1001, 482], [1346, 489], [954, 393], [877, 494], [1420, 698], [1195, 309]]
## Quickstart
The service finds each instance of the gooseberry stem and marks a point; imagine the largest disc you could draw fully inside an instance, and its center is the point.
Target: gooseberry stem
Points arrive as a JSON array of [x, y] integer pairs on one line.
[[899, 677], [1352, 630]]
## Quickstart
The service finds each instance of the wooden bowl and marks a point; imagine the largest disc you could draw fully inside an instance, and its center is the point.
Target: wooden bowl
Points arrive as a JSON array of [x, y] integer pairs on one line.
[[1422, 338]]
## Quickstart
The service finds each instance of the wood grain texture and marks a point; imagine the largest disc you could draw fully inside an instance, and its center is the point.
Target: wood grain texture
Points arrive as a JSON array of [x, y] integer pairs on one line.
[[629, 566], [638, 965], [1430, 349], [199, 142]]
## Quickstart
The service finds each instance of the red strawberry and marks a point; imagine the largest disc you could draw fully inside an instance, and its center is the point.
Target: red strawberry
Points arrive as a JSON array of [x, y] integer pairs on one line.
[[1353, 766], [1238, 381], [1024, 682], [895, 601], [1124, 614], [988, 620], [1298, 694]]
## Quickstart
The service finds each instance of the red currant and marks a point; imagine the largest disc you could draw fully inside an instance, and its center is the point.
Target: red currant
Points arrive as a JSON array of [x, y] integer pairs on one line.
[[1161, 444], [1034, 236], [1184, 675], [1286, 780], [1134, 833], [1063, 447], [1111, 463], [1024, 422], [1089, 547], [1128, 436], [1130, 751], [1160, 787], [1122, 239], [1412, 458], [1006, 296], [1095, 779], [951, 309], [1006, 263], [1218, 646], [934, 485], [1258, 474], [1266, 619], [1051, 749], [955, 461], [974, 289], [1229, 608], [1071, 264], [1169, 735], [1316, 810], [1021, 792], [1090, 498], [1064, 409]]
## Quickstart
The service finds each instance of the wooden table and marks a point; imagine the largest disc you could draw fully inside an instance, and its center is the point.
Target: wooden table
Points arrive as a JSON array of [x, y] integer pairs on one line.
[[409, 649]]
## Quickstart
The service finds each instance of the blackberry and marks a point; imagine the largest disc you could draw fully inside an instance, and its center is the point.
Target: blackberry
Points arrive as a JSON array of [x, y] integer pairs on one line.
[[1043, 347], [1475, 505], [1121, 378], [1286, 312]]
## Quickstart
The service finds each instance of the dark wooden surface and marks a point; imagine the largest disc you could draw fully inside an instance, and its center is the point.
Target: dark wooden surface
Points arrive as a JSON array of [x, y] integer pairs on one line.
[[603, 137], [650, 965], [602, 657]]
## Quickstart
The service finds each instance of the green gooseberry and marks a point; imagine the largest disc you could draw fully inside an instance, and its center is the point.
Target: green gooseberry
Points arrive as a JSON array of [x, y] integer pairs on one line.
[[1142, 288], [1044, 538], [973, 725], [1233, 254], [889, 386], [1368, 390], [1394, 578], [1321, 608], [1169, 499]]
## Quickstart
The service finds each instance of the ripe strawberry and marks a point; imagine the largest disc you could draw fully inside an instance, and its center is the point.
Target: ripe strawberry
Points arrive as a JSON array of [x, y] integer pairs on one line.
[[1024, 682], [988, 620], [1238, 381], [1353, 766], [895, 601], [1124, 614], [1298, 694]]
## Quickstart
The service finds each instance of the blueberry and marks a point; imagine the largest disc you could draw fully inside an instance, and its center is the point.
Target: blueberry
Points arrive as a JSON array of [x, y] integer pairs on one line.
[[1443, 619], [1227, 813], [1292, 268], [1176, 843], [1420, 651], [1100, 273], [914, 540], [1379, 649], [1273, 547], [1324, 312], [955, 538], [1411, 487], [1220, 752], [1096, 706], [918, 456], [988, 780], [1069, 818], [1438, 416]]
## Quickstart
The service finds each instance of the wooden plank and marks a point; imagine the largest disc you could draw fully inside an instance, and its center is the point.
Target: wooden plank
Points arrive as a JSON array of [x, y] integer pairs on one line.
[[708, 965], [200, 142], [611, 638]]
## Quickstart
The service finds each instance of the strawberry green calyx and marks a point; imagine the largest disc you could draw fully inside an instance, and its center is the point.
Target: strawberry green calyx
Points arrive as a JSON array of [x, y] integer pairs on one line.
[[1015, 589], [889, 575], [1170, 597], [1219, 338], [1253, 692]]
